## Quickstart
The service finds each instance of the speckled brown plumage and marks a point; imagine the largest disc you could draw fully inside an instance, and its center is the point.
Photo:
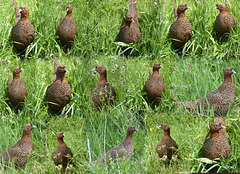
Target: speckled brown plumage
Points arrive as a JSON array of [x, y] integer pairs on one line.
[[23, 32], [59, 92], [225, 21], [166, 146], [216, 146], [21, 151], [129, 32], [17, 91], [181, 29], [221, 99], [67, 29], [104, 93], [123, 149], [154, 86], [62, 154]]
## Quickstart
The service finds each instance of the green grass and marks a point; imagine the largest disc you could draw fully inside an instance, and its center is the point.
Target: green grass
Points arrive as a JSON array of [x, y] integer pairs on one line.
[[98, 24]]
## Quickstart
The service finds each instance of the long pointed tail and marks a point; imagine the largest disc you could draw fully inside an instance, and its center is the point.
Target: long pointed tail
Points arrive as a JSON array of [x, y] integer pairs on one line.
[[132, 10], [9, 80], [17, 14], [175, 11], [187, 105], [56, 65]]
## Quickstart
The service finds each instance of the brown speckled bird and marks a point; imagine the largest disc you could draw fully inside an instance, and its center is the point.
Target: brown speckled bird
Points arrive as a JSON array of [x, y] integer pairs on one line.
[[67, 29], [17, 91], [104, 93], [62, 154], [181, 29], [166, 146], [225, 21], [23, 32], [216, 146], [129, 32], [21, 151], [123, 149], [221, 99], [154, 86], [59, 92]]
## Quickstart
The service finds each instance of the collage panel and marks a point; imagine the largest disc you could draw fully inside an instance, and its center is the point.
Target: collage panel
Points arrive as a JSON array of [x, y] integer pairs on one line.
[[187, 147]]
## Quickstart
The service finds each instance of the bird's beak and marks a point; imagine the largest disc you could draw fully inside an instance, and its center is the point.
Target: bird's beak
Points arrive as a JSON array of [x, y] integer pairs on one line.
[[22, 69], [188, 7], [65, 69], [234, 71], [20, 10], [34, 126], [161, 66], [67, 9], [132, 20], [160, 126], [215, 7], [136, 129], [223, 126], [94, 69], [64, 135]]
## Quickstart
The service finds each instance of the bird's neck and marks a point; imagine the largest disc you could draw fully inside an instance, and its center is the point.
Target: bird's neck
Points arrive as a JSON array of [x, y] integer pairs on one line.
[[155, 71], [26, 136], [69, 15], [129, 24], [227, 79], [129, 137], [60, 77], [215, 134], [24, 18], [103, 78], [60, 141], [16, 76], [166, 133], [181, 15], [224, 11]]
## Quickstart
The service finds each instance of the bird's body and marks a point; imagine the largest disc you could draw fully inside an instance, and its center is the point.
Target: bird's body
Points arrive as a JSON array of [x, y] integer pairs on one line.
[[23, 32], [59, 92], [154, 86], [67, 29], [104, 93], [166, 146], [221, 99], [119, 151], [130, 32], [62, 154], [216, 146], [17, 91], [181, 29], [21, 151], [225, 21]]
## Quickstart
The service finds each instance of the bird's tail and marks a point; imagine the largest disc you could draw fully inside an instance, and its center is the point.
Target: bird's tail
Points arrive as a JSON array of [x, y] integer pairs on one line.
[[132, 10], [9, 80], [188, 105], [56, 65], [175, 11], [17, 13]]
